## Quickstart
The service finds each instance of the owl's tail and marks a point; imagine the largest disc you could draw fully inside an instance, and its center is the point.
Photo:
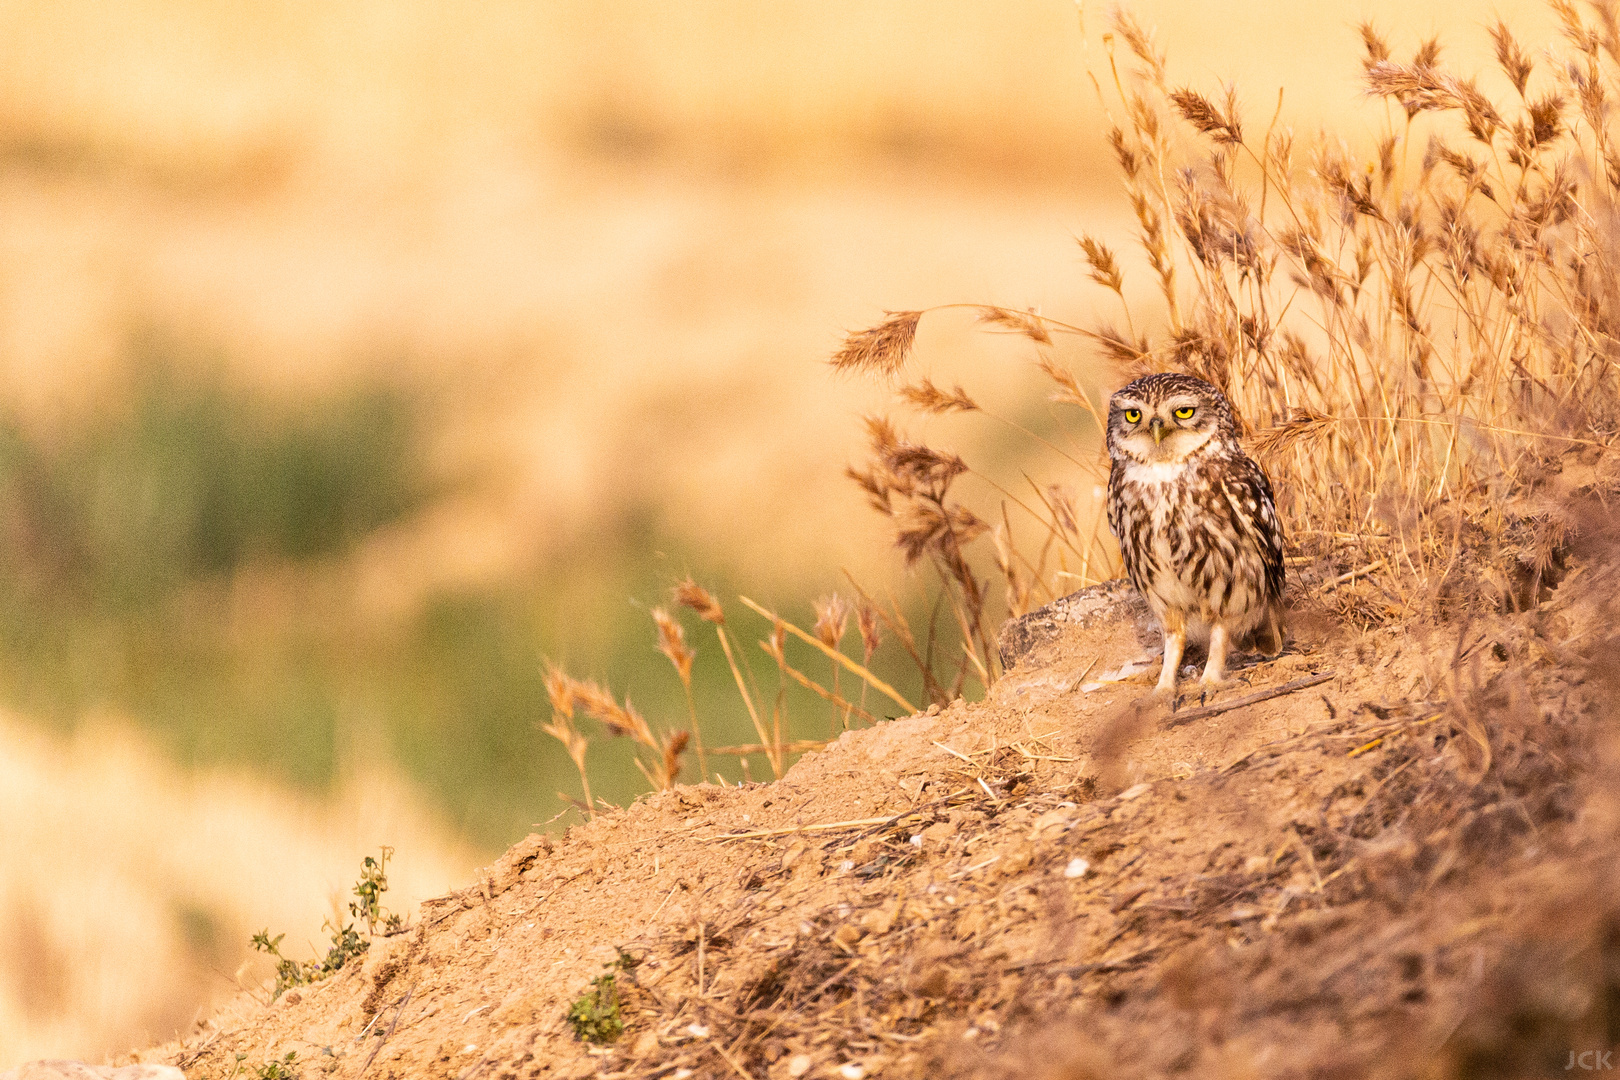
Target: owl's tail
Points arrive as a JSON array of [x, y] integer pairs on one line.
[[1267, 635]]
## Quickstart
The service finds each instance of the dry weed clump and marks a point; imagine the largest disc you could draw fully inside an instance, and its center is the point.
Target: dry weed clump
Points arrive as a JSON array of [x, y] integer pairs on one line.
[[568, 694], [1419, 343], [661, 762]]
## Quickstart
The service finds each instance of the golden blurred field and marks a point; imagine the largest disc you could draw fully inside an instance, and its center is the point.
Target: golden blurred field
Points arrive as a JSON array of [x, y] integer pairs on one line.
[[604, 248]]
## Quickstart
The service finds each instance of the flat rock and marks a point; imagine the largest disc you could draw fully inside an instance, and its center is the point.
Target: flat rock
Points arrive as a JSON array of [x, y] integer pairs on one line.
[[1111, 601], [78, 1070]]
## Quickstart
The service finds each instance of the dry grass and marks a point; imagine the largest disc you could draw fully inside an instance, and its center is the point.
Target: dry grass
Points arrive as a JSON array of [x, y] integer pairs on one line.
[[568, 694], [1416, 341]]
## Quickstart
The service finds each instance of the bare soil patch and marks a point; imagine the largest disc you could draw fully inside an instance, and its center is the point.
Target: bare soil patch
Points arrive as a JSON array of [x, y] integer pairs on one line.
[[1400, 868]]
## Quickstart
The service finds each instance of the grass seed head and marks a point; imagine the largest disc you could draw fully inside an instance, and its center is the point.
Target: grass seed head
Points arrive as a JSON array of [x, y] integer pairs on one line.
[[672, 643], [622, 721], [882, 349], [1104, 266], [866, 618], [1208, 118], [560, 690], [1515, 64], [690, 594], [832, 619], [675, 743], [930, 398]]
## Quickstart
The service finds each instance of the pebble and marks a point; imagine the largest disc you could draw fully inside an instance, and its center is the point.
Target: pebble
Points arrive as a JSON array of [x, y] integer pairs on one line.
[[799, 1064], [1076, 869]]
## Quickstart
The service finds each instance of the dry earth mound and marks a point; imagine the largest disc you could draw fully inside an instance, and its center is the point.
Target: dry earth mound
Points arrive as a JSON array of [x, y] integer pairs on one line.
[[1397, 864]]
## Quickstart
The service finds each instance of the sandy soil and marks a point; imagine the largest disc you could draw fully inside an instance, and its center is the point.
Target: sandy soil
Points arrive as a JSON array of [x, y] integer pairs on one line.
[[1370, 874]]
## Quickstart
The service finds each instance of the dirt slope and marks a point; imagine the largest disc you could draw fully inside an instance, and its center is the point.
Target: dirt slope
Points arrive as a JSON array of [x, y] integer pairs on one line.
[[1341, 880]]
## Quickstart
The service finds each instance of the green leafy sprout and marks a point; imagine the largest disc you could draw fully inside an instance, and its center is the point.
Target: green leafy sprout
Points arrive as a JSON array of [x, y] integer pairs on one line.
[[347, 942], [595, 1013]]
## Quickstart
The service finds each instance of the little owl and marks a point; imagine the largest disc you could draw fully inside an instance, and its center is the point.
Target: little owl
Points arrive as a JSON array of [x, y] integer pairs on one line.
[[1195, 521]]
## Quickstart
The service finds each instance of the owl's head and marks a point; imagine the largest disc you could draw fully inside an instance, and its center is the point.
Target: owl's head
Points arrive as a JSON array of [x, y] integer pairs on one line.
[[1166, 418]]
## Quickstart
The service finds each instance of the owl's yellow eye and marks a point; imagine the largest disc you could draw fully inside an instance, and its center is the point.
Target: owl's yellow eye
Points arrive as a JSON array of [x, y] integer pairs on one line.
[[1185, 413], [1132, 415]]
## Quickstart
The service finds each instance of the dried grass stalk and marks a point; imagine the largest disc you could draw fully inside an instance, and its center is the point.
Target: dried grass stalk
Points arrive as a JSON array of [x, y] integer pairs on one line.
[[672, 643], [1027, 323], [690, 594]]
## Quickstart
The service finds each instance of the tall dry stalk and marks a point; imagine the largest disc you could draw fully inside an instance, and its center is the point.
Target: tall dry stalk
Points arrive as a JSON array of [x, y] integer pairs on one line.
[[672, 643], [832, 620], [694, 596], [559, 688]]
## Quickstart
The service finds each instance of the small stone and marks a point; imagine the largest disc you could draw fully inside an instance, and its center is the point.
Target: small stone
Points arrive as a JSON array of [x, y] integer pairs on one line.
[[846, 936], [697, 1031], [799, 1064], [880, 921], [793, 853], [1076, 869], [971, 923], [1015, 858], [806, 864], [854, 1070], [1051, 821]]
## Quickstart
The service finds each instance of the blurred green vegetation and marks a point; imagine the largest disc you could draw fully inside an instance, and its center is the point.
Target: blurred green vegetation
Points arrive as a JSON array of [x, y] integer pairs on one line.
[[122, 542]]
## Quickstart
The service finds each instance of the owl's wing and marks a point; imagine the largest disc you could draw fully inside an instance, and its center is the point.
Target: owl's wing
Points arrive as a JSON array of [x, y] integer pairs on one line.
[[1116, 476], [1249, 492]]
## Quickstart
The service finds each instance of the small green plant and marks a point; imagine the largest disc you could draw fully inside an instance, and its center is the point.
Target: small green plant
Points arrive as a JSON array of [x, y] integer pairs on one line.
[[372, 884], [595, 1013], [284, 1069], [347, 943]]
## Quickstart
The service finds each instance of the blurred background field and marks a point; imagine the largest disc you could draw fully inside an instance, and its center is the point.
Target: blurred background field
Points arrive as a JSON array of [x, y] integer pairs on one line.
[[357, 356]]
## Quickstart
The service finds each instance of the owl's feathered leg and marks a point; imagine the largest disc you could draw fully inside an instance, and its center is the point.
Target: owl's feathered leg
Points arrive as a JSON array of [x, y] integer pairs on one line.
[[1215, 669], [1175, 640]]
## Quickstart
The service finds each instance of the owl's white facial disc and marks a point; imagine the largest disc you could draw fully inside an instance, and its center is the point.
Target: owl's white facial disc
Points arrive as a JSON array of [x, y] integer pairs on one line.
[[1163, 432]]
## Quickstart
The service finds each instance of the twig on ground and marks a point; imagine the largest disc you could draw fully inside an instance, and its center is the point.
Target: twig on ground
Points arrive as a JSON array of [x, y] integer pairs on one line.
[[798, 746], [1263, 695], [1362, 571], [786, 830], [404, 1001]]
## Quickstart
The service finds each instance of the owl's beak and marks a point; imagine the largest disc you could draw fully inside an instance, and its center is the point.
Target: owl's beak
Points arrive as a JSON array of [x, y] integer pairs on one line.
[[1156, 425]]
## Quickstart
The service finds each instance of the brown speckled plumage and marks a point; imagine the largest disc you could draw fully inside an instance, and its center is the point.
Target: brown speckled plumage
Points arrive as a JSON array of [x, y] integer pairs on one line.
[[1195, 519]]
